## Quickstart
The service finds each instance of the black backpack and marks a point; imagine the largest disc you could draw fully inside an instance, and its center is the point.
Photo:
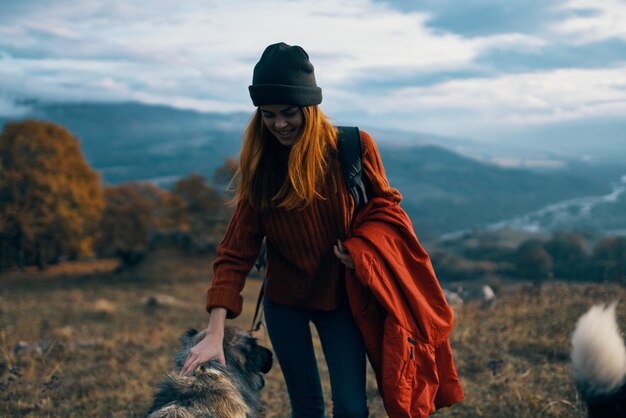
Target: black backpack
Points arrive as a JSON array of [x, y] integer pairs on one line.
[[350, 151], [350, 155]]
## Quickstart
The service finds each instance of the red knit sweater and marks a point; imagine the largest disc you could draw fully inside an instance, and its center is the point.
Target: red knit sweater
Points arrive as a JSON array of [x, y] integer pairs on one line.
[[302, 269]]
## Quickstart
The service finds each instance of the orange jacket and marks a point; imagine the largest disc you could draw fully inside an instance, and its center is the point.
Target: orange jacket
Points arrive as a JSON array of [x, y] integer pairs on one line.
[[401, 312]]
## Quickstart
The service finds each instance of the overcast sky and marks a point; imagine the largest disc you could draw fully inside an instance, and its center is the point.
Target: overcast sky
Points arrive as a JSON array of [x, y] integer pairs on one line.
[[474, 68]]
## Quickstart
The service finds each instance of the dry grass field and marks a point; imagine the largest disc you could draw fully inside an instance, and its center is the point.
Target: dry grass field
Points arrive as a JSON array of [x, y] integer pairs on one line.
[[80, 341]]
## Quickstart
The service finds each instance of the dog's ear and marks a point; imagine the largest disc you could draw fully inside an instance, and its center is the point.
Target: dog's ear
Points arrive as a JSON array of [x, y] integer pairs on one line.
[[263, 356], [191, 332], [258, 358], [187, 336]]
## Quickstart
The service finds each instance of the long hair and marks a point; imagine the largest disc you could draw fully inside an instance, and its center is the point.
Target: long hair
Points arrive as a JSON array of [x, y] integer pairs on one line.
[[269, 178]]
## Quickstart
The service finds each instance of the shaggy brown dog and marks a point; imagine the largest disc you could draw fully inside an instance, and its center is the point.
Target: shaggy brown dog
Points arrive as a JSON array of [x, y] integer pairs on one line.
[[214, 390]]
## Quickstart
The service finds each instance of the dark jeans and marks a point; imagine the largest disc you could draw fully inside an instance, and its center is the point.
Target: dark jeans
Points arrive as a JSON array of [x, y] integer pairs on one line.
[[290, 334]]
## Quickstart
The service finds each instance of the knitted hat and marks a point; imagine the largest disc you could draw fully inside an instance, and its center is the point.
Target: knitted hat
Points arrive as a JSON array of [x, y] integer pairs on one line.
[[284, 75]]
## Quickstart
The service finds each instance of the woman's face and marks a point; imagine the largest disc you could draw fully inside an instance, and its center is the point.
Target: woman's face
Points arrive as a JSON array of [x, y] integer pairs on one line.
[[285, 122]]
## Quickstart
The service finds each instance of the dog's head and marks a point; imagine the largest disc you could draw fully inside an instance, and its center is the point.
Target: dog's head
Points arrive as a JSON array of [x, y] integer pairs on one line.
[[241, 350], [215, 390]]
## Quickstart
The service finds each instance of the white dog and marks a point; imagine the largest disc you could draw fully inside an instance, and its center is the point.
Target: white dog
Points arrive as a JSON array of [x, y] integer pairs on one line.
[[599, 362]]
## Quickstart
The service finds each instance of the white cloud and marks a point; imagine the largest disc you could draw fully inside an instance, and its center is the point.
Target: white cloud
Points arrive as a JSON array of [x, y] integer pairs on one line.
[[593, 20], [510, 100], [204, 51], [200, 55]]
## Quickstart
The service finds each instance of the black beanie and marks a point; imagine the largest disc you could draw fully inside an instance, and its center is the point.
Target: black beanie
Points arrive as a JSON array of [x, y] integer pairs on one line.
[[284, 75]]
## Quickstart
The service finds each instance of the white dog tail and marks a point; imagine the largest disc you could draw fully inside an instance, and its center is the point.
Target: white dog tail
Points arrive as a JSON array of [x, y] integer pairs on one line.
[[598, 352]]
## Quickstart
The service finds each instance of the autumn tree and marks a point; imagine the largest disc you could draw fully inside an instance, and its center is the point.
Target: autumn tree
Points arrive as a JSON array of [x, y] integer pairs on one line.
[[196, 208], [139, 217], [128, 218], [50, 198]]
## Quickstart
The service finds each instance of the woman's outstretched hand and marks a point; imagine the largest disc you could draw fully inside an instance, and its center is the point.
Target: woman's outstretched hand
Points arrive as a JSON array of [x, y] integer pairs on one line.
[[343, 255], [211, 347]]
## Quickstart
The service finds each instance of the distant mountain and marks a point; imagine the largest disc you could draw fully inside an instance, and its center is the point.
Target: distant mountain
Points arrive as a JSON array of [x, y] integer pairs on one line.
[[133, 141], [592, 213], [443, 191]]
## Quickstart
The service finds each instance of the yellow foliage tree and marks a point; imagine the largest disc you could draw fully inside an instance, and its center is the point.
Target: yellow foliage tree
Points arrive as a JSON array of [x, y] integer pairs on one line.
[[50, 198], [127, 220], [196, 208]]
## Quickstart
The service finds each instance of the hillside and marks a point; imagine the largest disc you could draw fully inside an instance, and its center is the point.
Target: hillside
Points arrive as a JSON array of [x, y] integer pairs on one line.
[[105, 347], [132, 141], [443, 191]]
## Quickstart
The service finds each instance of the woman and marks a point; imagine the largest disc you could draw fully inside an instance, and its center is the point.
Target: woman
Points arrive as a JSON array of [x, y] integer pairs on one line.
[[292, 193]]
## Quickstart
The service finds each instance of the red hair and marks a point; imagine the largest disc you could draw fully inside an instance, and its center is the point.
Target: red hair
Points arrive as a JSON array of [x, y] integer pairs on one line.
[[269, 182]]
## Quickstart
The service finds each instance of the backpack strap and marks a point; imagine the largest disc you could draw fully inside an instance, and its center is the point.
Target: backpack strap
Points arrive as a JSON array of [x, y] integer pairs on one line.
[[260, 264], [350, 155]]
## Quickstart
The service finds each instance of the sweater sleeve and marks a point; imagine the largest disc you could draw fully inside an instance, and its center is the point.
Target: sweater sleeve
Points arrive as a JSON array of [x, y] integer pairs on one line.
[[376, 179], [236, 255]]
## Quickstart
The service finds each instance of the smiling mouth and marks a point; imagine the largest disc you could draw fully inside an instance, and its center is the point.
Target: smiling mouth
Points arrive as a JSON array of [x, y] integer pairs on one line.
[[285, 133]]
